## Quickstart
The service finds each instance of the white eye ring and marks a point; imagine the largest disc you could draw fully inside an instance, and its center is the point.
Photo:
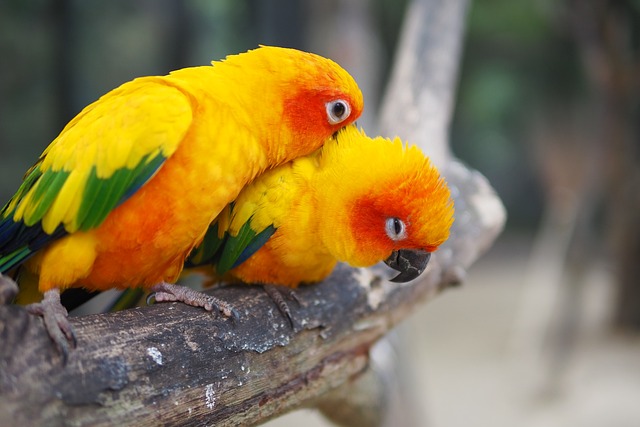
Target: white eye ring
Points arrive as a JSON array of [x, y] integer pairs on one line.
[[395, 229], [338, 111]]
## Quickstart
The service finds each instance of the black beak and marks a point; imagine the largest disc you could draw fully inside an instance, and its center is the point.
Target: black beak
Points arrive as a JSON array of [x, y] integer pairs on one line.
[[410, 264]]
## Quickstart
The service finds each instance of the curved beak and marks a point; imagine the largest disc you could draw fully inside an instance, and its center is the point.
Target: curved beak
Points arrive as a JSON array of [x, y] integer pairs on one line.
[[410, 263]]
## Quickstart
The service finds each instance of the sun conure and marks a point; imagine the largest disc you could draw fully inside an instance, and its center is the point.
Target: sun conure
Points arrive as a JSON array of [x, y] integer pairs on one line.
[[357, 200], [131, 184]]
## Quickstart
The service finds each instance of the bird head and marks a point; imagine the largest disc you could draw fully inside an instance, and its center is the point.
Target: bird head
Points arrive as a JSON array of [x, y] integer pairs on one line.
[[299, 98], [386, 202]]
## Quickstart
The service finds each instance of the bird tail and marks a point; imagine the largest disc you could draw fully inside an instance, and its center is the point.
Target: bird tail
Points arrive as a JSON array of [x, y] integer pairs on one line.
[[14, 259]]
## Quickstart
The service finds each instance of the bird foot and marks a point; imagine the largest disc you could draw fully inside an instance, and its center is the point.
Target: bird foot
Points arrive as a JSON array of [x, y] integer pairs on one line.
[[164, 292], [278, 295], [56, 321], [8, 290]]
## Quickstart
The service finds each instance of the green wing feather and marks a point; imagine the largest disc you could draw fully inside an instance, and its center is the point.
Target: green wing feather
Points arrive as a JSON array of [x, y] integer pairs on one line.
[[237, 249], [101, 196], [249, 222], [207, 250], [228, 251]]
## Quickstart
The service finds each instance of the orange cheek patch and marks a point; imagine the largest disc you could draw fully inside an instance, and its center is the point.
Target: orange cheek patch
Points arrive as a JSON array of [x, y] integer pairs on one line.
[[305, 114], [370, 213], [367, 224]]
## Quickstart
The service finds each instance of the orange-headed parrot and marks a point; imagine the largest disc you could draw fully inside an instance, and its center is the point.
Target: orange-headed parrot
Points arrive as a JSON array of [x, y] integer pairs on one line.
[[129, 187]]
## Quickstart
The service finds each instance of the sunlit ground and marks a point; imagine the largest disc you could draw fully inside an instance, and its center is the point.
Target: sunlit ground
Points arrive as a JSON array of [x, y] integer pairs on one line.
[[472, 366]]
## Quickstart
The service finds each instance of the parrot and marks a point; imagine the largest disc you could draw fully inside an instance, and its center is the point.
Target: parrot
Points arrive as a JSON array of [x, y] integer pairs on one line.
[[357, 200], [131, 184]]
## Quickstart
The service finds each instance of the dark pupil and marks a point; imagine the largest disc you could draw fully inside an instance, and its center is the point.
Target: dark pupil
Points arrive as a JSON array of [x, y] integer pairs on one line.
[[397, 226], [338, 109]]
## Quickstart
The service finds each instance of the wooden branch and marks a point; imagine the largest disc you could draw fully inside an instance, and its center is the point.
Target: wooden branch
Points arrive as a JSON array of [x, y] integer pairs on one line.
[[170, 364]]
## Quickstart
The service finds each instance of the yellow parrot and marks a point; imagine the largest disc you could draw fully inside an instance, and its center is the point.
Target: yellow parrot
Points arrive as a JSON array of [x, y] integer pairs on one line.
[[357, 200], [131, 184]]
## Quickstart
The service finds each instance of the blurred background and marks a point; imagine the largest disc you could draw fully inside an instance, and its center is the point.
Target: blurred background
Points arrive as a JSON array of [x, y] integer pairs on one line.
[[544, 332]]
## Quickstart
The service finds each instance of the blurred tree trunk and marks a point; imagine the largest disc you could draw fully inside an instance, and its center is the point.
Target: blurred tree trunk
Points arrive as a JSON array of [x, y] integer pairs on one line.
[[606, 33]]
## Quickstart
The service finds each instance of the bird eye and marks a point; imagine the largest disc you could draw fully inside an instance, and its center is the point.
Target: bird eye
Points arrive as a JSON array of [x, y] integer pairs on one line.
[[338, 111], [395, 229]]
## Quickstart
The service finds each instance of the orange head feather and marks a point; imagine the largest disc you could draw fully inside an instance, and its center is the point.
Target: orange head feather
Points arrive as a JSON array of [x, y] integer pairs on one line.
[[300, 99], [384, 196]]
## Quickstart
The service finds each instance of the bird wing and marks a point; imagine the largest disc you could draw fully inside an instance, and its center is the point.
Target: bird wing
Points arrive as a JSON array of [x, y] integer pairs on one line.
[[248, 223], [102, 157]]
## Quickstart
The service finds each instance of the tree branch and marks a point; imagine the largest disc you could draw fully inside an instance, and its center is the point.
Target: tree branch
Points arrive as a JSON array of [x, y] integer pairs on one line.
[[179, 365]]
